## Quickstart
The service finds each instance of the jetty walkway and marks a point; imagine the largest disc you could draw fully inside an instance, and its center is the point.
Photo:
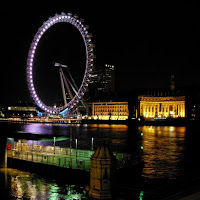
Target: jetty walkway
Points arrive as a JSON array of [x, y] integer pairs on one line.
[[60, 157]]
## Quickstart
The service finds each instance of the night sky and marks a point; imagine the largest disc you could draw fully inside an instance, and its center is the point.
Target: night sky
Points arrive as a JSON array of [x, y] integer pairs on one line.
[[145, 42]]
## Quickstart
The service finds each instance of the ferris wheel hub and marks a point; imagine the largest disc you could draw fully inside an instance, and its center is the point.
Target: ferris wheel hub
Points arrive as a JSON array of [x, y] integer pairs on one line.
[[60, 65]]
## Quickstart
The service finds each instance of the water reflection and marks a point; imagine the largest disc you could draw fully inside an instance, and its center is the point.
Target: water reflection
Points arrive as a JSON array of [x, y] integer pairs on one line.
[[44, 128], [162, 151], [24, 185], [163, 148], [115, 135], [64, 128]]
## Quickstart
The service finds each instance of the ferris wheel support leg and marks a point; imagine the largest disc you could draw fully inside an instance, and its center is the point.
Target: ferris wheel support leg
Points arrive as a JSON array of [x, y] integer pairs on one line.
[[72, 80], [66, 84], [62, 87]]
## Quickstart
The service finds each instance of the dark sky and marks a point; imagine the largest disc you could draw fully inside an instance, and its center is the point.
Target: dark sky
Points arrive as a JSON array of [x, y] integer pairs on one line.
[[145, 42]]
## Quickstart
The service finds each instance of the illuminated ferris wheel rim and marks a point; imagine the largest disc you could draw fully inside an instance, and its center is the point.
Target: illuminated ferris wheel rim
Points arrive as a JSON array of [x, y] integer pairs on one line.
[[89, 61]]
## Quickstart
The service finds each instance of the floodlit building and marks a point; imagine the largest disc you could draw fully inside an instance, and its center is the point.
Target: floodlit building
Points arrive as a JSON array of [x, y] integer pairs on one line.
[[108, 110], [162, 106], [21, 110]]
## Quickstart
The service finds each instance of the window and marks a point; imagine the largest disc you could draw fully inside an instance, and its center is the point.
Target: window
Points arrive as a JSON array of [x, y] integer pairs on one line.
[[160, 107]]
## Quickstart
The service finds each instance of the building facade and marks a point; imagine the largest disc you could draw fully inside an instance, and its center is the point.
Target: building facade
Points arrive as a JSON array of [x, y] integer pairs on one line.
[[109, 78], [162, 107], [102, 84], [108, 110], [21, 111]]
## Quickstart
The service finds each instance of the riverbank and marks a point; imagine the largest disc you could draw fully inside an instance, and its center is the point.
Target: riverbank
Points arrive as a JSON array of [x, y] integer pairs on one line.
[[43, 120], [129, 122]]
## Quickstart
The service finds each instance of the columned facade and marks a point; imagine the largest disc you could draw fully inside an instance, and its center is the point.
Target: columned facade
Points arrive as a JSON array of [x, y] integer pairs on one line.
[[162, 107], [108, 110]]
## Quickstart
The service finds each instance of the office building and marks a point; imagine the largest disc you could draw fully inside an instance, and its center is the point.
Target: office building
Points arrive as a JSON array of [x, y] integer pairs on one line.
[[108, 110], [102, 84]]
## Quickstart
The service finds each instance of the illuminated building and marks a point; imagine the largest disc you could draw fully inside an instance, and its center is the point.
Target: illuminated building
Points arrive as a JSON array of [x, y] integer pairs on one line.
[[109, 78], [21, 110], [102, 84], [108, 110], [162, 106]]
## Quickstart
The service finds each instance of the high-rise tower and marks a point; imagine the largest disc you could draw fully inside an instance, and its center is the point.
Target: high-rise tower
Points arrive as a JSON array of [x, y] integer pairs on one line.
[[102, 85]]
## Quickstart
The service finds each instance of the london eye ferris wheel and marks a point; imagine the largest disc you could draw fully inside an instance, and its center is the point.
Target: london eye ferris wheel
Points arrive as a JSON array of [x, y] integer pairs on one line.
[[67, 83]]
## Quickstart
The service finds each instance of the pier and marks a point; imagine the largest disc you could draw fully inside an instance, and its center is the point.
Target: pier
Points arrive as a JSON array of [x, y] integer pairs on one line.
[[63, 157], [68, 158]]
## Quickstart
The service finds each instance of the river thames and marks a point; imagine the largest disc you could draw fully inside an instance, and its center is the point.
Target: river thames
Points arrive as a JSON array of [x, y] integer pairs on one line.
[[169, 155]]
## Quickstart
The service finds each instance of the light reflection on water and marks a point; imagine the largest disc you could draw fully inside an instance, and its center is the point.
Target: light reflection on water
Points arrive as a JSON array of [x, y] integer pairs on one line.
[[162, 153], [163, 148], [116, 135], [24, 185], [64, 129], [42, 128]]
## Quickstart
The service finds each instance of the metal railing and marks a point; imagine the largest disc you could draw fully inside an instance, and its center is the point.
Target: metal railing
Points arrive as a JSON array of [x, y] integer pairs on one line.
[[61, 157], [66, 161]]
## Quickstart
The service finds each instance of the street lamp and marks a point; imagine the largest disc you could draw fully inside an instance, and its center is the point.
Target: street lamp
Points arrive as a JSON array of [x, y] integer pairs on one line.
[[76, 141], [54, 145], [92, 144]]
